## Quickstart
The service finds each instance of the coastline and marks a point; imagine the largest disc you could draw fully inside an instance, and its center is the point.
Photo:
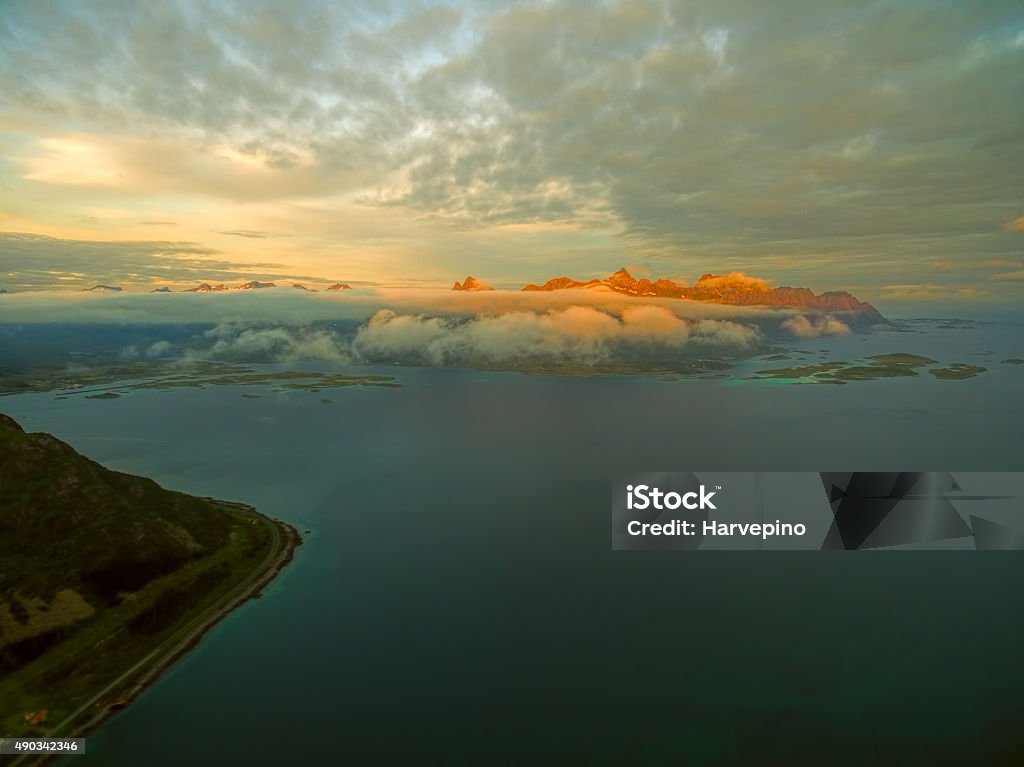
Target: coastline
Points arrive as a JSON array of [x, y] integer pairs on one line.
[[287, 540]]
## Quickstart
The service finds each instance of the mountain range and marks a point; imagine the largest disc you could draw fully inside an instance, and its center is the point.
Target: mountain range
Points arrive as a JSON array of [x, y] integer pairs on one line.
[[733, 289], [206, 287]]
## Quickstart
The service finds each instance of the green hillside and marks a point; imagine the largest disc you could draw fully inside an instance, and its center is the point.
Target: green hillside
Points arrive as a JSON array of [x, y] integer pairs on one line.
[[100, 570]]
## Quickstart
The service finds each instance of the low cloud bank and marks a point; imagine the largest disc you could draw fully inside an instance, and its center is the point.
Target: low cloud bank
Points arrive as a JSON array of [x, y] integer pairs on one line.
[[288, 306], [414, 326], [576, 334], [277, 344], [815, 327]]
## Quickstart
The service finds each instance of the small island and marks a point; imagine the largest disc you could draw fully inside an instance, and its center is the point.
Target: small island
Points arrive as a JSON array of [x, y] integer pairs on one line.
[[956, 371], [872, 368], [111, 380]]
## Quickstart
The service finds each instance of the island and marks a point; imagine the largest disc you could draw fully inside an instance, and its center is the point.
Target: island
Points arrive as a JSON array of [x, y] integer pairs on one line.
[[108, 380], [872, 368], [108, 578]]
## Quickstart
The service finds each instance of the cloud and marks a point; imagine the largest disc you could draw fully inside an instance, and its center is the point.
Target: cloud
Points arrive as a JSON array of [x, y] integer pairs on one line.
[[736, 278], [575, 334], [295, 307], [815, 327], [1017, 275], [153, 351], [269, 344], [34, 261], [694, 135], [409, 326], [159, 349], [930, 292], [252, 234]]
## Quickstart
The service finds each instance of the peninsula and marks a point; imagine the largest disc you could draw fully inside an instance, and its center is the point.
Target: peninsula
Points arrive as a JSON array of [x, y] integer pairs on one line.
[[108, 578]]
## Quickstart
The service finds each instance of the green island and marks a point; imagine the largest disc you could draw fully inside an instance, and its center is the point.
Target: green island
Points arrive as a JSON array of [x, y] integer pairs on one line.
[[111, 381], [107, 579], [875, 367], [676, 368], [956, 371]]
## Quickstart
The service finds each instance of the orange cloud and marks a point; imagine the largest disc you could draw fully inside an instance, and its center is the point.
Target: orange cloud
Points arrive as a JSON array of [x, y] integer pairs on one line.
[[735, 278], [928, 292]]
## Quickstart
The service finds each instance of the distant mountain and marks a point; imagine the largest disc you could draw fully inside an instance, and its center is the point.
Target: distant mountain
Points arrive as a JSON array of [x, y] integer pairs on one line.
[[3, 292], [564, 283], [471, 283], [747, 291], [340, 286], [206, 287], [102, 289], [300, 286], [161, 290], [734, 289]]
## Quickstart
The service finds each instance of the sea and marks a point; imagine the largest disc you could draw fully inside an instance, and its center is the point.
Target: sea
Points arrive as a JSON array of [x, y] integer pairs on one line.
[[456, 599]]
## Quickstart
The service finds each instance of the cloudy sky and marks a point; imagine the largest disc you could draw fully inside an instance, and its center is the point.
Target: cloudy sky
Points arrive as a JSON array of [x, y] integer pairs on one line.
[[873, 146]]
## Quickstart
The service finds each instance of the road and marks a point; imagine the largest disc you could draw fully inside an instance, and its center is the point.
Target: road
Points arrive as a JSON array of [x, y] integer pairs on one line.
[[168, 650]]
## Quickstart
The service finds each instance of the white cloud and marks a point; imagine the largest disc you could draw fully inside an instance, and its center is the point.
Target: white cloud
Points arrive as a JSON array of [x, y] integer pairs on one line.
[[814, 327], [276, 344], [578, 334]]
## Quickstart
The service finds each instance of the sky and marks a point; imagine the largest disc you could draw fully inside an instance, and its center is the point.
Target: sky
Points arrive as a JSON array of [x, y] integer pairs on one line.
[[876, 147]]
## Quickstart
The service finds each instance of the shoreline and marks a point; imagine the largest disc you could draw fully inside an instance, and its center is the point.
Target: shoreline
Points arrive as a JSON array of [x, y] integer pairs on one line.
[[288, 538]]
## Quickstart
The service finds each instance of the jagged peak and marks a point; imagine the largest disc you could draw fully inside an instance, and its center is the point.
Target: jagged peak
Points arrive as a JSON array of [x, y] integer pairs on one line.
[[471, 283], [734, 288]]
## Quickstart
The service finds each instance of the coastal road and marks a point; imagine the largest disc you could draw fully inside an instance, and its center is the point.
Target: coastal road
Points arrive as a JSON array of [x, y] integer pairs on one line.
[[175, 645]]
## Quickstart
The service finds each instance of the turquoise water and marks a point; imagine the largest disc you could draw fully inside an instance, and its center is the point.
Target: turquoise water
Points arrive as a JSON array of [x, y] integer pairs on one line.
[[457, 600]]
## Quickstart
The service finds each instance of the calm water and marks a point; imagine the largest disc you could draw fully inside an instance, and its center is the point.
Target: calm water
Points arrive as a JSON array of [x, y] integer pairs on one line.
[[457, 601]]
